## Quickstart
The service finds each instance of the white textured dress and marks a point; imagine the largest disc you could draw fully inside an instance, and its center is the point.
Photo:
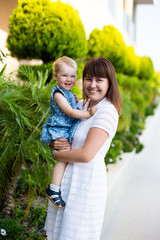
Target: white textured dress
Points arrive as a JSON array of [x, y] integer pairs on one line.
[[84, 185]]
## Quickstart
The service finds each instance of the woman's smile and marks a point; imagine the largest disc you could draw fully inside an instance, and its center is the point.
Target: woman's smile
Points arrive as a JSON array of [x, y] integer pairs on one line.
[[93, 91], [95, 88]]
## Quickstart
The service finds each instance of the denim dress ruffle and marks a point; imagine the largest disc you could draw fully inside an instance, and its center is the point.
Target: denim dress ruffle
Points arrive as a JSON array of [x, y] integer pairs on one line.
[[59, 125]]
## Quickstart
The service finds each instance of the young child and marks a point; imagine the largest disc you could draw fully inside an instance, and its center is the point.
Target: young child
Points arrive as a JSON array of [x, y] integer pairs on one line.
[[63, 120]]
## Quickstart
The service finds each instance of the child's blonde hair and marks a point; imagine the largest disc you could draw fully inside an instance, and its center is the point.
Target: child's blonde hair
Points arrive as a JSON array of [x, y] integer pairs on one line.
[[69, 61]]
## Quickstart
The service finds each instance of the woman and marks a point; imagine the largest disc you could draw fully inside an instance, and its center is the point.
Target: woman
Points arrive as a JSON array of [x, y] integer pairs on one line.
[[84, 181]]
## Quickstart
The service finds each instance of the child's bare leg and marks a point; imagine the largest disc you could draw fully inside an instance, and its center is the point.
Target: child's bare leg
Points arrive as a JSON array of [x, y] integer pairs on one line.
[[53, 191], [58, 173]]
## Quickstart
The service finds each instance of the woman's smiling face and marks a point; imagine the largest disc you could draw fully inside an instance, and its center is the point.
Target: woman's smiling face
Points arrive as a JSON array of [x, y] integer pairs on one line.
[[95, 88]]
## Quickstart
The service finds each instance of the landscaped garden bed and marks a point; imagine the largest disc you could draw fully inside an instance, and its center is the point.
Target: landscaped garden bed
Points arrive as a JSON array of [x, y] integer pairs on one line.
[[25, 163]]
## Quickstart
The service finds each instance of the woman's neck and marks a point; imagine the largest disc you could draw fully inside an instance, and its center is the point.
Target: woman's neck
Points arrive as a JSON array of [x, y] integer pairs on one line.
[[93, 103]]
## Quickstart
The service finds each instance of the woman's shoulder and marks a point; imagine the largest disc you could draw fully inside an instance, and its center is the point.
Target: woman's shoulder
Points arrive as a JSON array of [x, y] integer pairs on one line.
[[106, 105]]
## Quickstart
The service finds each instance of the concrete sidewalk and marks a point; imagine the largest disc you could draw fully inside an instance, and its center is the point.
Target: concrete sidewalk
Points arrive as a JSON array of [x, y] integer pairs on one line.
[[133, 203]]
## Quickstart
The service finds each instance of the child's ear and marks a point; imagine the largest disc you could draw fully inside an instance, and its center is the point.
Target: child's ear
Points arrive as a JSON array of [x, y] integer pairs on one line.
[[55, 76]]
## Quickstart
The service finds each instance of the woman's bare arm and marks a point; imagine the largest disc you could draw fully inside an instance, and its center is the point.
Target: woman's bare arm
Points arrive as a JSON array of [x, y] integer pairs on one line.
[[95, 140], [63, 104]]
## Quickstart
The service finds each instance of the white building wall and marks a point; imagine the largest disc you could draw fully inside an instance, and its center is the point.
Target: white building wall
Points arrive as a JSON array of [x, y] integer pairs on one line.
[[93, 13], [98, 13]]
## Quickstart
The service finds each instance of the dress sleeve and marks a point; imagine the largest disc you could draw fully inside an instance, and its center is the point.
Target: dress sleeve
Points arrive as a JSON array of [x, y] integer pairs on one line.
[[107, 119]]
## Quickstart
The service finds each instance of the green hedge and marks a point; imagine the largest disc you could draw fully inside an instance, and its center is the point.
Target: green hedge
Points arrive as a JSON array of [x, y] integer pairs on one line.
[[132, 65], [141, 93], [146, 68], [108, 43], [46, 30], [138, 98], [42, 29]]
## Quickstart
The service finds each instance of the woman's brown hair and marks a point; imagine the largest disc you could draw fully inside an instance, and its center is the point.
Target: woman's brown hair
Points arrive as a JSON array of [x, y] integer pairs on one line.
[[103, 68]]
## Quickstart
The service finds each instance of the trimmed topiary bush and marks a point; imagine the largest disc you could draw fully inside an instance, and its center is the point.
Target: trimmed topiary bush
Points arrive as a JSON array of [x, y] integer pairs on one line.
[[95, 43], [141, 93], [132, 63], [46, 30], [146, 68], [108, 43]]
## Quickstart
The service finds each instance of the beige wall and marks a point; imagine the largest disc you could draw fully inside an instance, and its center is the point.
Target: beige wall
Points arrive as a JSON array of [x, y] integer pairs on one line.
[[12, 63], [6, 8]]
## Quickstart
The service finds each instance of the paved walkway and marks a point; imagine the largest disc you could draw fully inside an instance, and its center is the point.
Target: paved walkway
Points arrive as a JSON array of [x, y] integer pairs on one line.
[[133, 205]]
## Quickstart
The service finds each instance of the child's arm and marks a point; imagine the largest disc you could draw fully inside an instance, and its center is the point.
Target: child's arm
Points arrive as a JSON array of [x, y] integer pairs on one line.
[[63, 104]]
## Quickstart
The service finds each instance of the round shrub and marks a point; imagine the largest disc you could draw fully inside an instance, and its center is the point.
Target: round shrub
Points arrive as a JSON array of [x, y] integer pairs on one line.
[[146, 68], [108, 43], [46, 30], [95, 43], [132, 63]]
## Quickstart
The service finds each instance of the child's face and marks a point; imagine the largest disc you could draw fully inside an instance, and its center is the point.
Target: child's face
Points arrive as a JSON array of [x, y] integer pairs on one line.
[[66, 77]]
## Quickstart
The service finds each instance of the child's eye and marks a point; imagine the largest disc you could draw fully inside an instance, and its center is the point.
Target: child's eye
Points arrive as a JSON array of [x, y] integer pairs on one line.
[[73, 76], [64, 75]]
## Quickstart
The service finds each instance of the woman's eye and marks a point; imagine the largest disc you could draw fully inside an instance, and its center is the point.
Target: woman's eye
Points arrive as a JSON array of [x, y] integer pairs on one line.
[[88, 79], [99, 80]]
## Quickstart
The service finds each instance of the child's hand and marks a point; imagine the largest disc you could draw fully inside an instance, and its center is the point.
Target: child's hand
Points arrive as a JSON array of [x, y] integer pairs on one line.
[[76, 97], [92, 110]]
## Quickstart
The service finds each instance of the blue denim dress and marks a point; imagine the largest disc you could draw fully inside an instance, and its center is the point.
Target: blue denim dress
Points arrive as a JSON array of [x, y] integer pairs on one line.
[[59, 125]]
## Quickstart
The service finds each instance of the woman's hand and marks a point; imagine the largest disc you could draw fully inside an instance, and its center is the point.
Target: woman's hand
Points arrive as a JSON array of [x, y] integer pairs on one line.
[[60, 144], [76, 97]]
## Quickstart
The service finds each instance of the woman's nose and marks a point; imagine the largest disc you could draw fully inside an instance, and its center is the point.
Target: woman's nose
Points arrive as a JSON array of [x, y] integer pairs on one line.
[[93, 84]]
